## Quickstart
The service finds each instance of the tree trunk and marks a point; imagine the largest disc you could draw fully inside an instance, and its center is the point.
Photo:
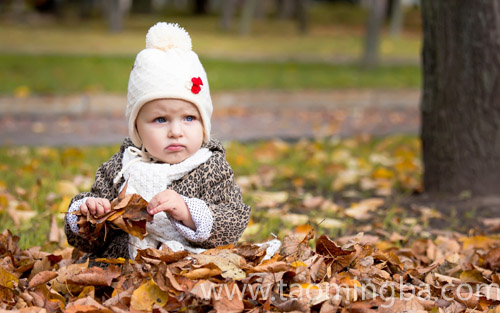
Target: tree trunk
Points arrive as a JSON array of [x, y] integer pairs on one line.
[[461, 96], [115, 16], [285, 9], [227, 14], [200, 7], [396, 18], [247, 16], [302, 16], [372, 38], [141, 6]]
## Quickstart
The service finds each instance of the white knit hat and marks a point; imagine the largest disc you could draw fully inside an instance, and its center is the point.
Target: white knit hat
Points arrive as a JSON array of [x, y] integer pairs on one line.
[[167, 68]]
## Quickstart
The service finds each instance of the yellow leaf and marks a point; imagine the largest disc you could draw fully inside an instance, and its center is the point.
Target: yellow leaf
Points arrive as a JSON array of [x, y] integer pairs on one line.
[[298, 182], [64, 205], [329, 223], [114, 261], [308, 286], [20, 212], [22, 91], [147, 295], [303, 229], [270, 199], [298, 264], [7, 279], [478, 242], [66, 188], [251, 230], [382, 173], [346, 280], [473, 276], [295, 219]]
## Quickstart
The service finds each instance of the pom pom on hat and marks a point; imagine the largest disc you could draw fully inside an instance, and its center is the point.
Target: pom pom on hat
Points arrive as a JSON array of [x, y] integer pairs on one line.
[[168, 69], [166, 36]]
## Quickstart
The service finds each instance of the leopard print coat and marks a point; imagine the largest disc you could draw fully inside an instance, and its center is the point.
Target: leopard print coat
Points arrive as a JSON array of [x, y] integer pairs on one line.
[[212, 182]]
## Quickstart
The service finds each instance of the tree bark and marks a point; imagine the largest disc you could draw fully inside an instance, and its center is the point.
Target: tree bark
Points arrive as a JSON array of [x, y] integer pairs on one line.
[[302, 16], [247, 16], [372, 38], [397, 18], [460, 106], [227, 14]]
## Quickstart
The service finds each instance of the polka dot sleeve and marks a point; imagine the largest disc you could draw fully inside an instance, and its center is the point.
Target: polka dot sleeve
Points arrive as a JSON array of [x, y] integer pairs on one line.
[[202, 218], [73, 219]]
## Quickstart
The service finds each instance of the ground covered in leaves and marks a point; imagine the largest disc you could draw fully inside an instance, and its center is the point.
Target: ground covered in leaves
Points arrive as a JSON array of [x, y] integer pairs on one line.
[[451, 273], [351, 240]]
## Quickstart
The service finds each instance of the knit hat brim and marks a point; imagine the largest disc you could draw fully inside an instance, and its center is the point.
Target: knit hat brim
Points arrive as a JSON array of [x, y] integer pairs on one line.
[[134, 135]]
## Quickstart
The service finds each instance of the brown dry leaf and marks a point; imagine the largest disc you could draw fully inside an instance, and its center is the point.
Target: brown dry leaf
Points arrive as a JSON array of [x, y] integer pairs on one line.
[[362, 210], [60, 283], [20, 212], [229, 263], [270, 199], [325, 246], [204, 289], [269, 267], [491, 292], [251, 252], [293, 305], [166, 281], [8, 243], [390, 257], [42, 278], [294, 249], [128, 212], [147, 295], [95, 276], [54, 234], [203, 272], [388, 305], [229, 299], [166, 256], [86, 305], [492, 259]]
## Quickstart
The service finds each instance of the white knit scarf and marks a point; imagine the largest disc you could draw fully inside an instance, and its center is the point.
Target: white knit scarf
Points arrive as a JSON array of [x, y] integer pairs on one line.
[[147, 179]]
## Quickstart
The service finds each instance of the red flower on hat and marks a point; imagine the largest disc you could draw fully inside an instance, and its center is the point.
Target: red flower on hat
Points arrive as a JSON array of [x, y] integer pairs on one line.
[[196, 85]]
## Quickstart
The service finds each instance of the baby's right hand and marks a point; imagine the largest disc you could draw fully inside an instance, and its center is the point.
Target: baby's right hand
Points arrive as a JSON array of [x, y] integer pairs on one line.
[[96, 206]]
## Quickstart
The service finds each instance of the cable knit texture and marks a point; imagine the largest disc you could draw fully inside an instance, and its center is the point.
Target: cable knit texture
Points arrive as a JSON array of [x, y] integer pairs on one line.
[[212, 182], [165, 69]]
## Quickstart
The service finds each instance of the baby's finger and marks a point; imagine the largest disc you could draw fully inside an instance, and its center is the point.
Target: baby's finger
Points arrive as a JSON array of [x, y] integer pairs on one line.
[[165, 207], [83, 209], [99, 208], [91, 205], [107, 205]]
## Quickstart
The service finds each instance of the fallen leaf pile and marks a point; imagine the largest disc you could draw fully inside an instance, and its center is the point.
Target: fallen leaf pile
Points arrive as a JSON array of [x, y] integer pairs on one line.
[[450, 273], [128, 212]]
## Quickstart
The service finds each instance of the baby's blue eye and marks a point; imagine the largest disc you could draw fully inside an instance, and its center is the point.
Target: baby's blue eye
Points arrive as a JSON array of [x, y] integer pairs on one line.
[[190, 118], [160, 120]]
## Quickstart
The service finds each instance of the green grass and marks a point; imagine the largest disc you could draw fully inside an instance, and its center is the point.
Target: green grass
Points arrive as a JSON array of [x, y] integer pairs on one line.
[[30, 179], [63, 74], [70, 55]]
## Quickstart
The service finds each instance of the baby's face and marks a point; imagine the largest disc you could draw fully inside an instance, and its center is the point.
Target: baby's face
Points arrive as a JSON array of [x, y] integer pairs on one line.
[[171, 129]]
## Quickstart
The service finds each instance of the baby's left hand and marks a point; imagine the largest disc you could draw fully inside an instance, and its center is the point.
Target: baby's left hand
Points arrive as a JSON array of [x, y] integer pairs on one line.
[[171, 202]]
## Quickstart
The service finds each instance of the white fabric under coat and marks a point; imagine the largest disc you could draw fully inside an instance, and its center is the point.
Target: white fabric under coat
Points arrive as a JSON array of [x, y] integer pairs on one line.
[[148, 179]]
